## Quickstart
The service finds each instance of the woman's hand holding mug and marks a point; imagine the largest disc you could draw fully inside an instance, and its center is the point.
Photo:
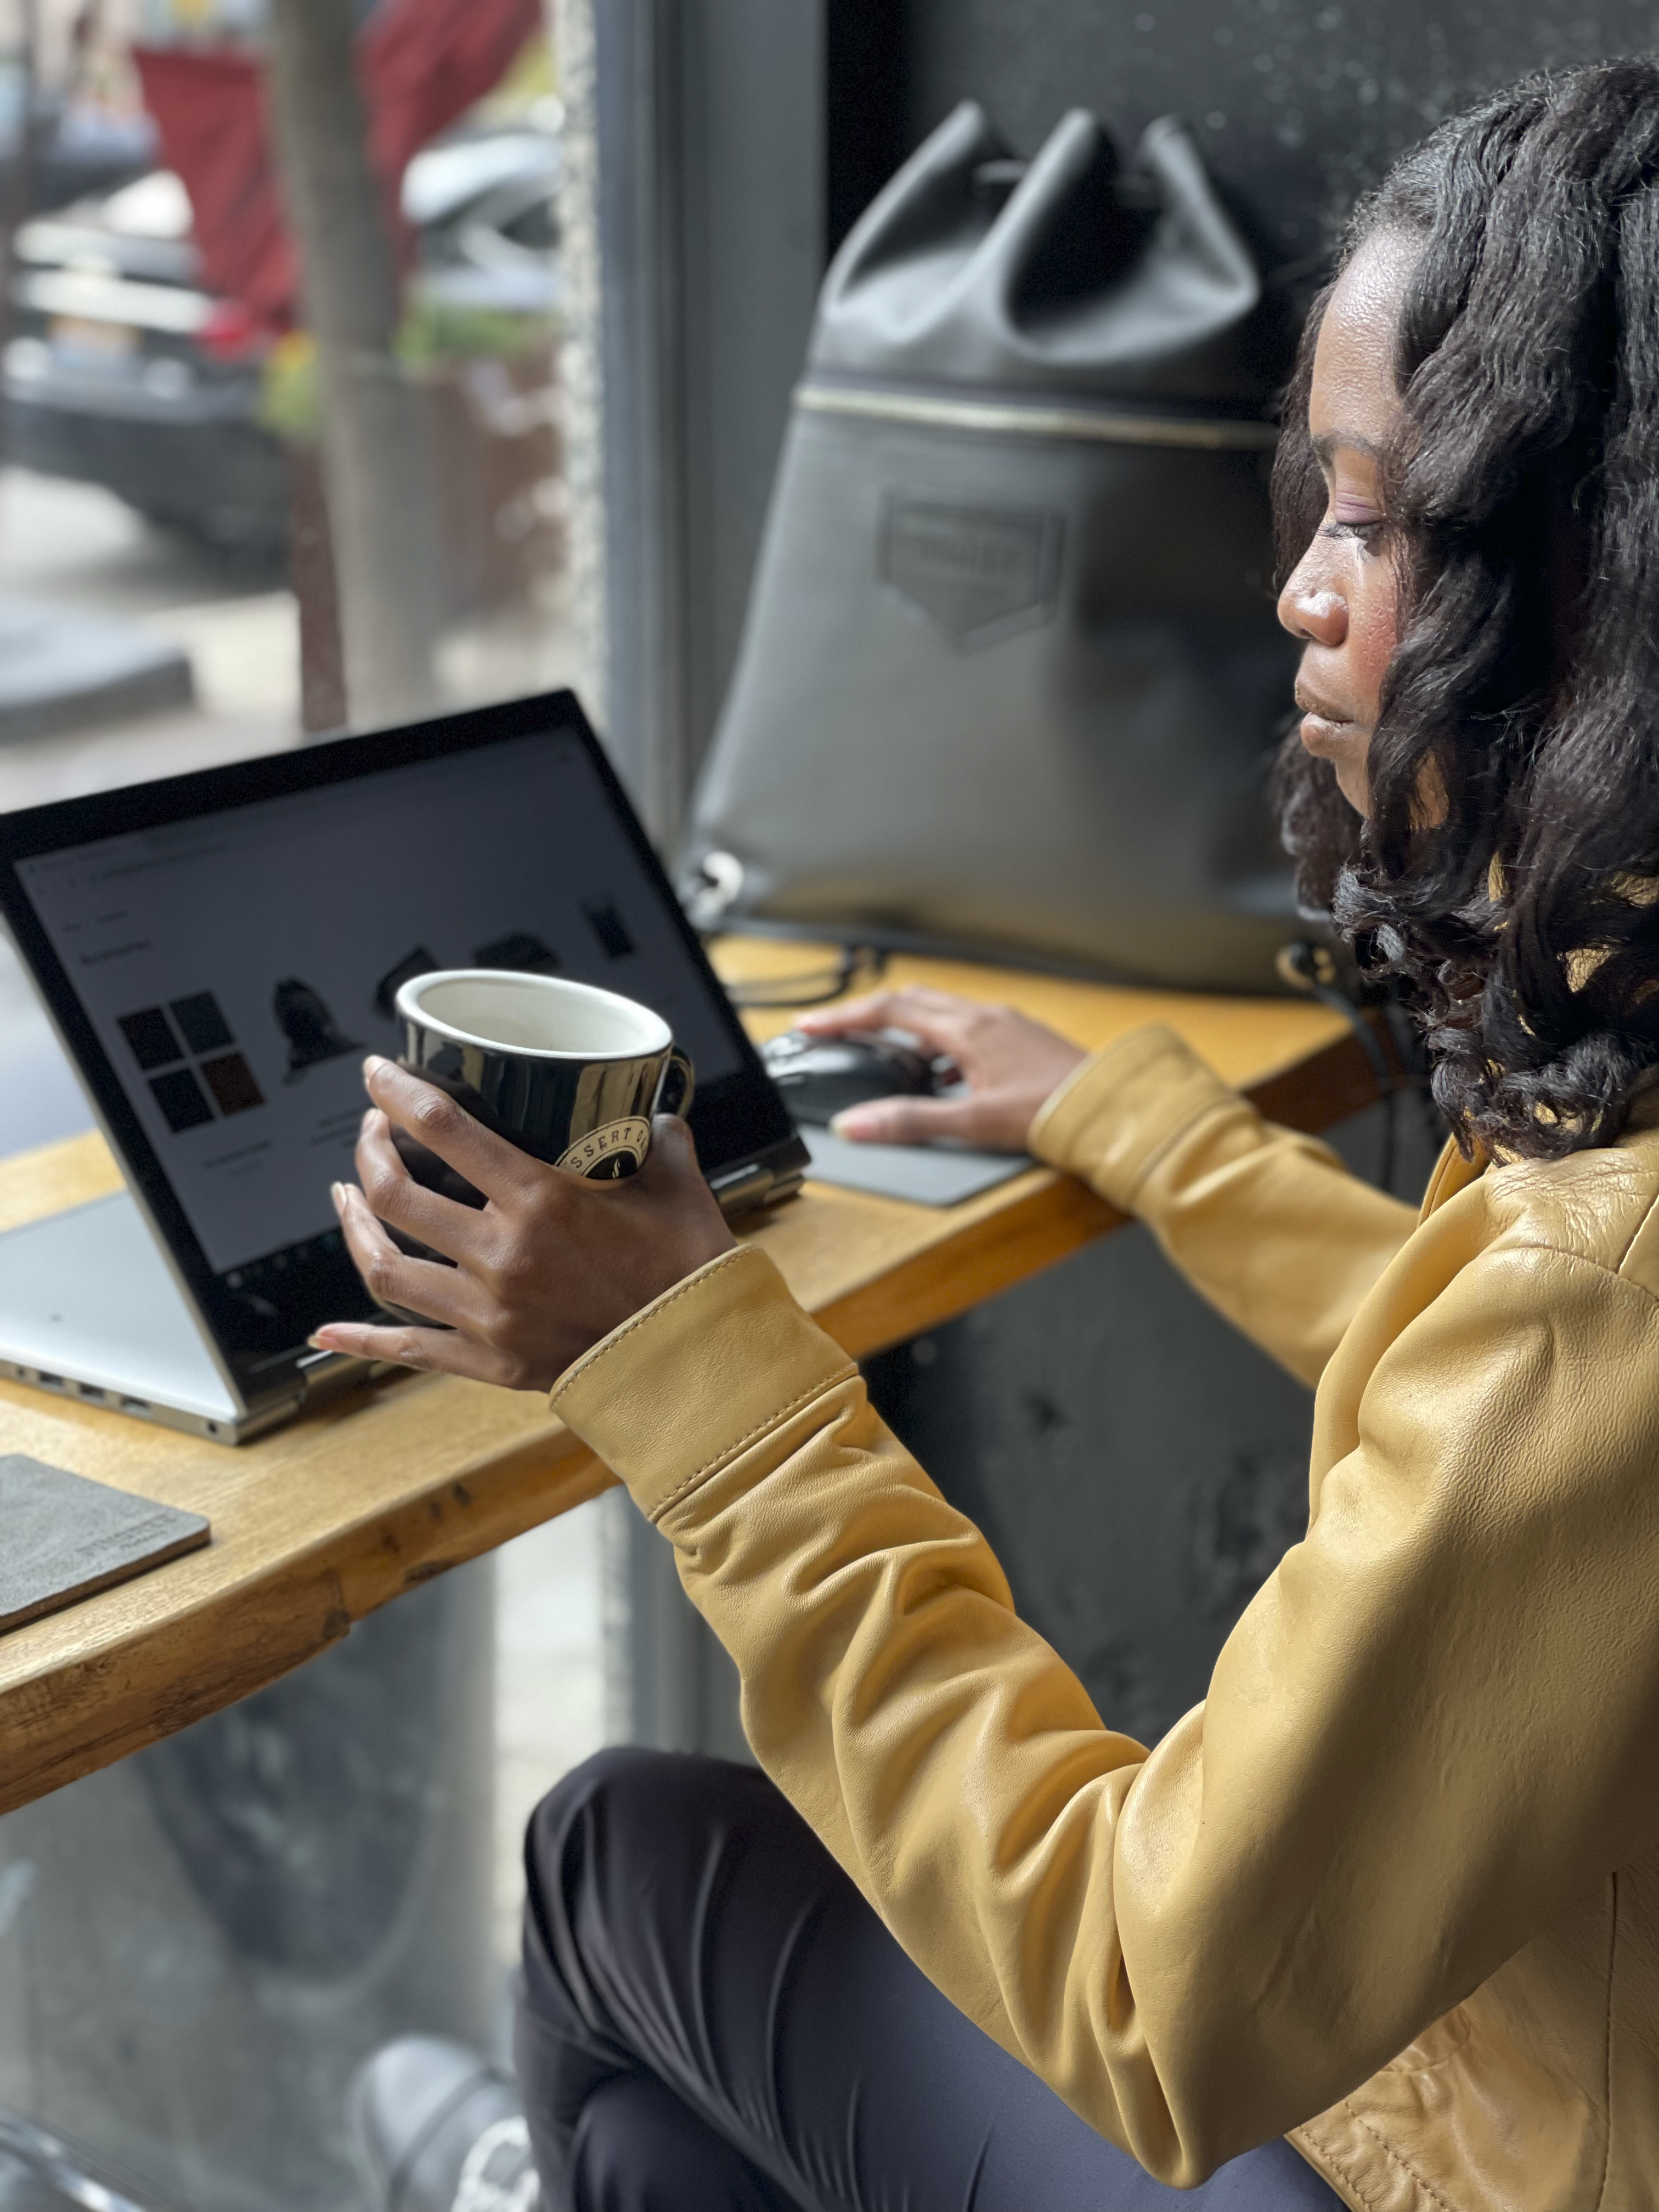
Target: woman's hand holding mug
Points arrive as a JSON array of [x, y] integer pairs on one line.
[[552, 1263], [520, 1151]]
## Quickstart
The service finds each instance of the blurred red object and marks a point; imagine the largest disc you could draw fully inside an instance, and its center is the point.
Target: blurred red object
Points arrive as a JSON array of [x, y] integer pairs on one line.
[[209, 107], [232, 331], [422, 63]]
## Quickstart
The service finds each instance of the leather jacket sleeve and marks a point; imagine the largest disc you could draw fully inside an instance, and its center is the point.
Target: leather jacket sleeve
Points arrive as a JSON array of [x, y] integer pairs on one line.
[[1266, 1224], [1432, 1725]]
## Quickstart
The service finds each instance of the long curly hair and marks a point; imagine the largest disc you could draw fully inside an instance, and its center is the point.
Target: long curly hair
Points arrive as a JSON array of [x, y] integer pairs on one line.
[[1507, 872]]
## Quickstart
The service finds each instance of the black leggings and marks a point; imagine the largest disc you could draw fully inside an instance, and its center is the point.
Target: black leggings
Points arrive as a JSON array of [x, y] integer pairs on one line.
[[711, 2019]]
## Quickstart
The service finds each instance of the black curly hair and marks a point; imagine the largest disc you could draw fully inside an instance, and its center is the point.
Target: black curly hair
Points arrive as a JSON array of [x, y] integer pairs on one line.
[[1519, 902]]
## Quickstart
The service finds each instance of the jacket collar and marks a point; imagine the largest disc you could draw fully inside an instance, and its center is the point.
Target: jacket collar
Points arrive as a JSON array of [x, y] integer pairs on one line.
[[1452, 1173]]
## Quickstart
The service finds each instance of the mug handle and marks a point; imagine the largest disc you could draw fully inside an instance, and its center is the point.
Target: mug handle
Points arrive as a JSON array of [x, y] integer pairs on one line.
[[678, 1086]]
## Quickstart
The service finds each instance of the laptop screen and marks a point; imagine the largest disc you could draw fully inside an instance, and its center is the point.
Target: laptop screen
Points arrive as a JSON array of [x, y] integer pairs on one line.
[[235, 965]]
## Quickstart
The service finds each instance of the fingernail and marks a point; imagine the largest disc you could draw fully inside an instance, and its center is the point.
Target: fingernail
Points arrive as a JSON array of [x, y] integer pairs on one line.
[[853, 1124], [315, 1341], [366, 1123], [337, 1192], [373, 1065]]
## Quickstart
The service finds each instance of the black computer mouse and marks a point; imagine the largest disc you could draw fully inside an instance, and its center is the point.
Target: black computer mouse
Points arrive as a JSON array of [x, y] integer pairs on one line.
[[819, 1076]]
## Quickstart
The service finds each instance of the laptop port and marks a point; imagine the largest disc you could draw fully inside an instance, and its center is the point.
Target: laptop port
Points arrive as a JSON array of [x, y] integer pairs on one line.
[[48, 1381]]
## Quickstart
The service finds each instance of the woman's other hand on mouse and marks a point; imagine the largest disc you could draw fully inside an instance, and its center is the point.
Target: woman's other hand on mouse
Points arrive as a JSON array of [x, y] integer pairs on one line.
[[1011, 1065], [550, 1264]]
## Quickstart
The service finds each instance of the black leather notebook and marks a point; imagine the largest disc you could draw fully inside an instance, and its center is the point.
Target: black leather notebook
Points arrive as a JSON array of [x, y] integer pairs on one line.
[[63, 1537]]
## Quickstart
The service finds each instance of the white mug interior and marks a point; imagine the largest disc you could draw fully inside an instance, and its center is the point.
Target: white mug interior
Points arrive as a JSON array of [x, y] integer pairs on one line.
[[546, 1016]]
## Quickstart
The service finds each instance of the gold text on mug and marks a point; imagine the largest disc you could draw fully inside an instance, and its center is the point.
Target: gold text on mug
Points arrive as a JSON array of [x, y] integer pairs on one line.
[[617, 1150]]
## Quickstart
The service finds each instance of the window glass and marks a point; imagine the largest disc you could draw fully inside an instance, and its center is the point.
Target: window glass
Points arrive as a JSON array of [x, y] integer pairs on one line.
[[197, 1945]]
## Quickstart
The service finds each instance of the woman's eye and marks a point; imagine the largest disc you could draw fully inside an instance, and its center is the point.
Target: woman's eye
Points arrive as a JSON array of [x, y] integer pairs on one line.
[[1366, 533]]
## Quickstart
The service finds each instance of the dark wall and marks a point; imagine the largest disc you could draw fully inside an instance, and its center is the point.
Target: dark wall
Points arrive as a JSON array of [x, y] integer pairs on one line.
[[868, 130], [1299, 104]]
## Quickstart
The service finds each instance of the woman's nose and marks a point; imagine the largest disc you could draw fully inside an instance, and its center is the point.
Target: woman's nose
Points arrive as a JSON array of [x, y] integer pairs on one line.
[[1311, 610]]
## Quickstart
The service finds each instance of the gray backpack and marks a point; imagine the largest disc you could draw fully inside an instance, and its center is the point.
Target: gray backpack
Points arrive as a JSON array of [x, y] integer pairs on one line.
[[1012, 680]]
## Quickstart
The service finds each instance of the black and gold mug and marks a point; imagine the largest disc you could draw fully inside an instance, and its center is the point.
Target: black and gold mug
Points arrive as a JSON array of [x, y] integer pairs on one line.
[[568, 1073]]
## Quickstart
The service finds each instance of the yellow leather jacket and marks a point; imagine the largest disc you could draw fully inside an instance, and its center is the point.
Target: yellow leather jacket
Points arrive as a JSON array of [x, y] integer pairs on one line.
[[1392, 1889]]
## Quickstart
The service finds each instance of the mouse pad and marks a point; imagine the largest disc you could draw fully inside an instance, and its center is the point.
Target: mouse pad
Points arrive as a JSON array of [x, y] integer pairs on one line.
[[929, 1175], [65, 1537]]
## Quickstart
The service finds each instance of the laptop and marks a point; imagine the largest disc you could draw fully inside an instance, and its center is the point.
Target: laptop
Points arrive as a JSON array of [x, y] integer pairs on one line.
[[217, 952]]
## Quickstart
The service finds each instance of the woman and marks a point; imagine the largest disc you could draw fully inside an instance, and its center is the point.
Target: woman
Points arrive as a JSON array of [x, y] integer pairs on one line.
[[1393, 1891]]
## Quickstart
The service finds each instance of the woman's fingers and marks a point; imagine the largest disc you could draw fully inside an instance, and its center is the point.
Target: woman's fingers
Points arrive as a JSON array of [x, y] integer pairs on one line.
[[394, 1195], [540, 1276], [938, 1020], [467, 1346], [391, 1277], [499, 1170], [847, 1016], [432, 1351], [902, 1120]]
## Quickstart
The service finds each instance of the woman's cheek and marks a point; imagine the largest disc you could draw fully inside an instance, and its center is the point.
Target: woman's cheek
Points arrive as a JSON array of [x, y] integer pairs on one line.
[[1373, 627]]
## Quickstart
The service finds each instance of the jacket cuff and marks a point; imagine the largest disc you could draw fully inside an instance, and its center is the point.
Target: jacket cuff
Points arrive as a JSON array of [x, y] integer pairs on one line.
[[1115, 1117], [673, 1393]]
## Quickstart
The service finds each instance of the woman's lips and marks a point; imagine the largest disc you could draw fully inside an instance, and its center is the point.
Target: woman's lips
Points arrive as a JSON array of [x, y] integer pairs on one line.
[[1330, 736]]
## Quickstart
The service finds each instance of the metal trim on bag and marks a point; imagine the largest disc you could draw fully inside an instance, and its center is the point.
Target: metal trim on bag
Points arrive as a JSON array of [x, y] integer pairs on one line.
[[1213, 434]]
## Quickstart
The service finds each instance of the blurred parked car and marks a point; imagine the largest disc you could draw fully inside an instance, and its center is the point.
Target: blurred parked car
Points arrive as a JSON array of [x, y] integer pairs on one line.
[[122, 371], [80, 146]]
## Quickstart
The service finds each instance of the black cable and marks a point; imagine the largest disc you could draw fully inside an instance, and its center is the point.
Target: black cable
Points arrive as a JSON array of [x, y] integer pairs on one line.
[[1312, 970], [815, 986]]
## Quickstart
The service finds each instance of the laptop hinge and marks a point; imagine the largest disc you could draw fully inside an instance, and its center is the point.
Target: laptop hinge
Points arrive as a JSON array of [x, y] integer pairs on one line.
[[741, 1190]]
